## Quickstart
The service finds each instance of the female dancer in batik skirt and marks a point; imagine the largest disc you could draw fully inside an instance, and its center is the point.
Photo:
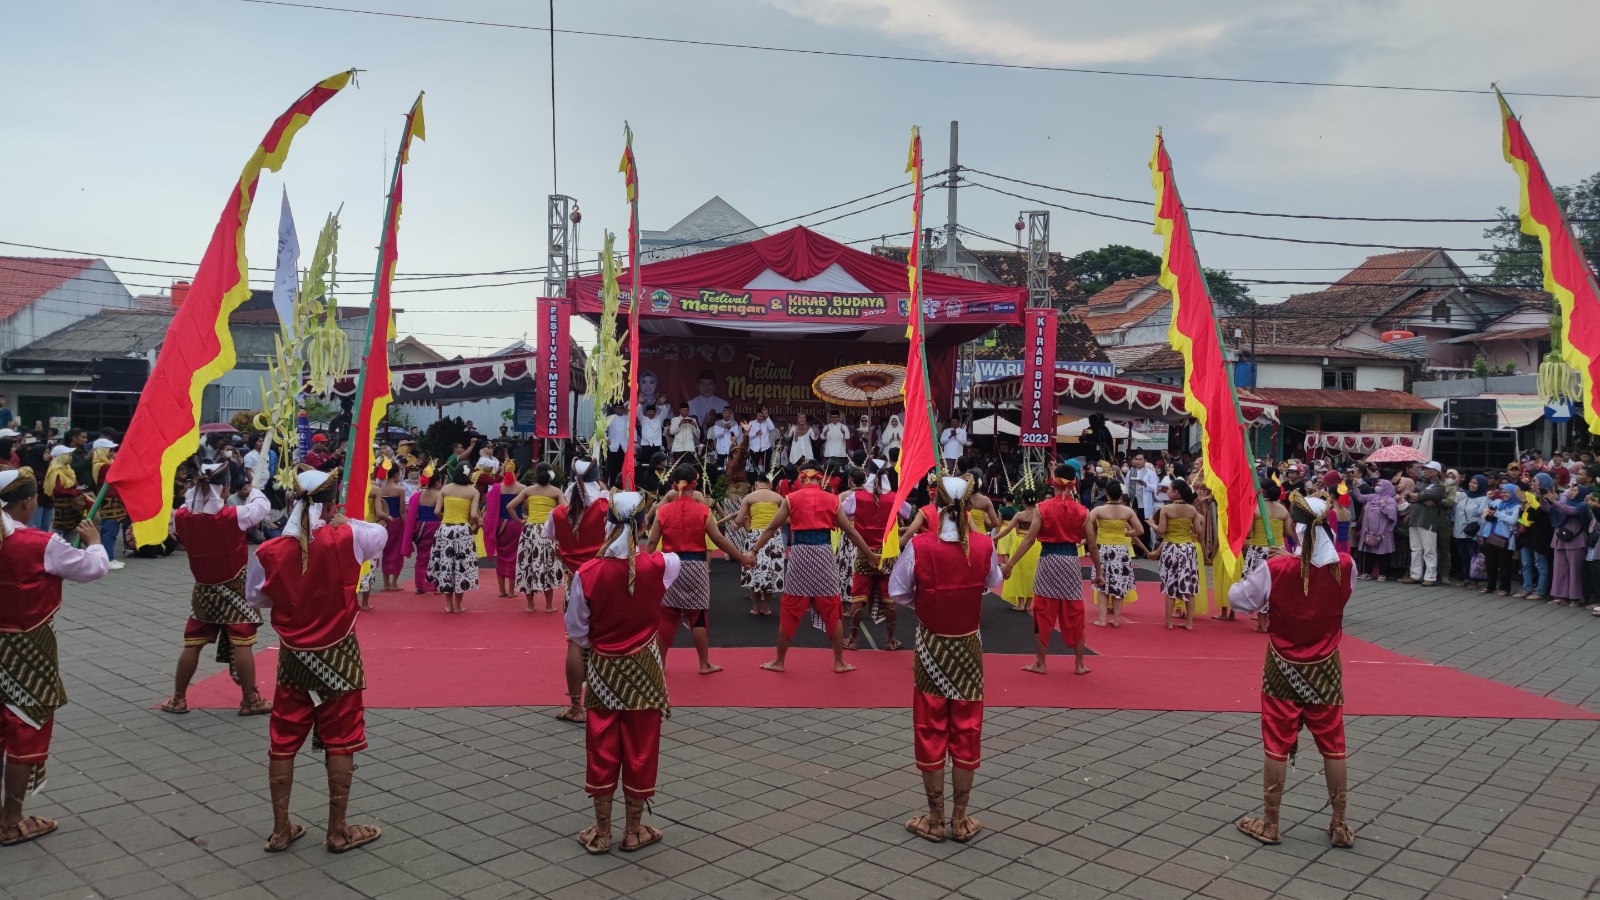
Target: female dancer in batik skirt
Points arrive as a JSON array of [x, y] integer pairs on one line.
[[453, 566], [503, 532], [1018, 589], [765, 578], [422, 526], [390, 492], [539, 566], [1112, 531], [1182, 530]]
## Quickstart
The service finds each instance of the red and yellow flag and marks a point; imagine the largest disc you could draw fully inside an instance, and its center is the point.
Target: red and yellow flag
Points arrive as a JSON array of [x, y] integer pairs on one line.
[[1207, 383], [198, 347], [1567, 274], [372, 387], [630, 177], [918, 450]]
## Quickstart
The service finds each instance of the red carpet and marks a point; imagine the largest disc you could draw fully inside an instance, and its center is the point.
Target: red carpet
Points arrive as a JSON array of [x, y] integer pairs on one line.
[[497, 655]]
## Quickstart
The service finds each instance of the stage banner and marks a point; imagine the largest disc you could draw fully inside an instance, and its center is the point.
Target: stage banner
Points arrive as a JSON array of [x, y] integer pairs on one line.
[[744, 375], [553, 346], [999, 308], [1038, 378]]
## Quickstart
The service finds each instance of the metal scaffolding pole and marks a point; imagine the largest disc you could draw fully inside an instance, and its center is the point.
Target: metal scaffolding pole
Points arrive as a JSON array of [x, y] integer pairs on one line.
[[1038, 459], [562, 229]]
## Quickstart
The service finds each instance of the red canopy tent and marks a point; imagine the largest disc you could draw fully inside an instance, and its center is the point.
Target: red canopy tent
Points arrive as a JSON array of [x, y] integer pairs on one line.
[[760, 320]]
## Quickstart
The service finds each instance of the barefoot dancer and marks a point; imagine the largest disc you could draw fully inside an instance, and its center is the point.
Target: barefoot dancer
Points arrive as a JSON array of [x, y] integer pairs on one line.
[[683, 524], [943, 574], [579, 530], [391, 492], [538, 558], [1057, 527], [213, 536], [1113, 530], [32, 566], [755, 514], [453, 566], [811, 577], [1303, 681], [871, 510], [613, 613], [1018, 589], [1182, 530], [307, 577], [503, 532], [422, 526]]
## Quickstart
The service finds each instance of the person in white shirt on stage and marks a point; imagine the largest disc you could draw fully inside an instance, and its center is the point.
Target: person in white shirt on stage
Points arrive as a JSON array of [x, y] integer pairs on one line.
[[723, 435], [685, 429], [836, 441], [616, 440], [762, 433], [652, 428], [706, 404], [801, 434], [953, 443]]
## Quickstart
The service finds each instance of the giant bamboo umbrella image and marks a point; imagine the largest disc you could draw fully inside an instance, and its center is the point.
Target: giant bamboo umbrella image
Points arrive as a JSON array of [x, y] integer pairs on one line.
[[861, 385]]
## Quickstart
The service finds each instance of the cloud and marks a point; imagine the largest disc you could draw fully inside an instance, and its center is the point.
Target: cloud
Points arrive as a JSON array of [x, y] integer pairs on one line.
[[984, 31]]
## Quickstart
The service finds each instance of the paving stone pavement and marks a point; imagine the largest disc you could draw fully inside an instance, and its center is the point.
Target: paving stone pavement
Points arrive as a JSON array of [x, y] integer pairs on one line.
[[483, 803]]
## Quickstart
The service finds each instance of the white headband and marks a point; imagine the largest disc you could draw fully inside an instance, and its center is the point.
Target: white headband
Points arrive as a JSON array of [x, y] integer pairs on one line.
[[311, 481]]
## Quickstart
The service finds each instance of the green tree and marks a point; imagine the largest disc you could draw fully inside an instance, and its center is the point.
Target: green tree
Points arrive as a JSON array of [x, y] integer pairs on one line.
[[1516, 256], [1095, 270]]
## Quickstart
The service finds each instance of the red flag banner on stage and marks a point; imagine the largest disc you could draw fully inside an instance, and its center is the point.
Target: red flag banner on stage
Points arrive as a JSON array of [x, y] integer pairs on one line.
[[1207, 383], [1038, 378], [373, 389], [1567, 274], [918, 453], [198, 347], [552, 346], [630, 179]]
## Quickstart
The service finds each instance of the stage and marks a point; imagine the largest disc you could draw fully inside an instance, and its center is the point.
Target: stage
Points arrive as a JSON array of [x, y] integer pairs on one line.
[[496, 654]]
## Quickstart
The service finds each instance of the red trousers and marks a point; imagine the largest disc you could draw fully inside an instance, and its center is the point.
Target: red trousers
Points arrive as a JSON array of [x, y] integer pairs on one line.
[[946, 728], [791, 607], [622, 745], [862, 587], [1066, 615], [341, 723], [672, 617], [21, 742], [198, 634], [1281, 721]]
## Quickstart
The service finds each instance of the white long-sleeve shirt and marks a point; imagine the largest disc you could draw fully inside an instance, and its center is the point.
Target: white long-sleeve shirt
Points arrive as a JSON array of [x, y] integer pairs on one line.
[[685, 434], [650, 428], [1250, 593], [617, 433], [252, 512], [903, 580], [1141, 487], [835, 437], [953, 443], [578, 605], [761, 434], [723, 434], [61, 559], [367, 540]]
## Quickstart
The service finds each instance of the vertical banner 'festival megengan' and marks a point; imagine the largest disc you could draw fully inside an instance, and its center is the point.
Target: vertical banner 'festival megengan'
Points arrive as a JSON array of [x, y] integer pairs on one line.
[[1038, 378], [553, 343]]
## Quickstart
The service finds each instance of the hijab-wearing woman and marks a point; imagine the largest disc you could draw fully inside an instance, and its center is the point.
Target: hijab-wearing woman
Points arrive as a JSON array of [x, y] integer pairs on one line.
[[892, 435], [1467, 522], [1569, 520], [1498, 538], [1379, 513]]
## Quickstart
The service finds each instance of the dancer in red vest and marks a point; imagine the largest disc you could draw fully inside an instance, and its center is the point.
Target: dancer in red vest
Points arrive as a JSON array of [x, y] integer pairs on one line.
[[942, 574], [613, 613], [683, 524], [308, 578], [811, 576], [870, 509], [579, 530], [1058, 526], [32, 566], [213, 536], [1303, 678]]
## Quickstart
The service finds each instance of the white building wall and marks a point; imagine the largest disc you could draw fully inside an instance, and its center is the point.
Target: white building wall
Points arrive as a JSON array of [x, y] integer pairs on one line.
[[1374, 378], [1289, 375], [93, 289]]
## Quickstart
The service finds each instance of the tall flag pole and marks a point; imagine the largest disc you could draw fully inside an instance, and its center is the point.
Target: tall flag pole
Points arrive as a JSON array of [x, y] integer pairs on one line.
[[372, 385], [1567, 273], [1208, 388], [918, 451], [630, 176], [198, 347]]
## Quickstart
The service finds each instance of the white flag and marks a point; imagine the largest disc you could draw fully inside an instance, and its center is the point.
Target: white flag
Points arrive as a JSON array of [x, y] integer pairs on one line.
[[286, 279]]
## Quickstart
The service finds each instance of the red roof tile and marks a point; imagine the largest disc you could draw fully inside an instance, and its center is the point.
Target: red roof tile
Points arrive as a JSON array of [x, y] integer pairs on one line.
[[24, 279], [1106, 322], [1118, 292], [1386, 268], [1307, 398]]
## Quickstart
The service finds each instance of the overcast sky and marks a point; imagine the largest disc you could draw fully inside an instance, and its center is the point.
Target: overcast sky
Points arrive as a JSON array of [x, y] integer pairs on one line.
[[128, 120]]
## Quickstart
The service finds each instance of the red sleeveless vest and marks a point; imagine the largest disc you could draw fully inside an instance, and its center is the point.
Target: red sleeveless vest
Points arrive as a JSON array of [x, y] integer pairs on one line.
[[1061, 521], [812, 509], [949, 583], [577, 549], [28, 594], [314, 609], [872, 516], [1306, 626], [620, 622], [216, 547], [683, 525]]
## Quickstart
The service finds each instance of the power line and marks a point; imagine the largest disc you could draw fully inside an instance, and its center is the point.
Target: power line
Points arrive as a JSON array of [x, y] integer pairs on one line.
[[844, 54]]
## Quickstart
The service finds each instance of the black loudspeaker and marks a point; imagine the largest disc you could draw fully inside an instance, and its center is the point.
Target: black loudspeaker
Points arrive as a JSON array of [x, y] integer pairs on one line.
[[1472, 412], [119, 373]]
